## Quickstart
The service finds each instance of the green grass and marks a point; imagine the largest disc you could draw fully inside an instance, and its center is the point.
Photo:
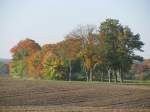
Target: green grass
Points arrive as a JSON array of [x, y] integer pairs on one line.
[[138, 81], [126, 82]]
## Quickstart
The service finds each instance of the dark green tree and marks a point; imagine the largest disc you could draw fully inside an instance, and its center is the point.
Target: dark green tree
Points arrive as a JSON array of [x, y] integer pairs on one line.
[[119, 47]]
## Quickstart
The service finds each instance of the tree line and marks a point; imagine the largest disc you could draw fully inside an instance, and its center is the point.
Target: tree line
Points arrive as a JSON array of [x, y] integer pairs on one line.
[[86, 54]]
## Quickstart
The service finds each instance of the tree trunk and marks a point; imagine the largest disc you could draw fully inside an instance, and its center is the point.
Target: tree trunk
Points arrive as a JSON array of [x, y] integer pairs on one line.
[[90, 74], [115, 73], [121, 76], [70, 70], [101, 76], [87, 76], [109, 75], [86, 73]]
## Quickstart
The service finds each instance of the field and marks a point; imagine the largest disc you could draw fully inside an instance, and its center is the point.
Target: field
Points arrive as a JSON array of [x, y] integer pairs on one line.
[[61, 96]]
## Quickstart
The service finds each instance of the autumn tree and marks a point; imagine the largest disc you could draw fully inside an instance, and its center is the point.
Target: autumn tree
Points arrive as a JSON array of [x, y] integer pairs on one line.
[[82, 32], [68, 50], [106, 54], [24, 48], [20, 53]]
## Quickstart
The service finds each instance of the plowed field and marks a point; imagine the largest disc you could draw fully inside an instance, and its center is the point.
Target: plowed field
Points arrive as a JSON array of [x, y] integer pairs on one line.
[[59, 96]]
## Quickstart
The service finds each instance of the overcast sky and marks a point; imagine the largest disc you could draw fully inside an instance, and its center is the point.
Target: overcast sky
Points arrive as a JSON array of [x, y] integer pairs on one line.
[[48, 21]]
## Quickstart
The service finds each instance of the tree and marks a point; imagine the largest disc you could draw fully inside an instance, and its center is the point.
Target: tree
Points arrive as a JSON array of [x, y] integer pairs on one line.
[[68, 50], [91, 55], [53, 68], [82, 32], [120, 44], [24, 49], [21, 54], [107, 54], [18, 69]]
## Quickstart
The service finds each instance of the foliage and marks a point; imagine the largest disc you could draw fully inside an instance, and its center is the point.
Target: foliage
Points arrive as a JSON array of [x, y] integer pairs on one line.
[[141, 71], [18, 69], [83, 55]]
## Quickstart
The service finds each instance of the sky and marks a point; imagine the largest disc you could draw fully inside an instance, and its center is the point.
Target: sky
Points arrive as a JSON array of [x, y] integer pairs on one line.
[[48, 21]]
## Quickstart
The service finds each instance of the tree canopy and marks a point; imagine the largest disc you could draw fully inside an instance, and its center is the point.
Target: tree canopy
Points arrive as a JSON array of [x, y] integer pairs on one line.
[[85, 53]]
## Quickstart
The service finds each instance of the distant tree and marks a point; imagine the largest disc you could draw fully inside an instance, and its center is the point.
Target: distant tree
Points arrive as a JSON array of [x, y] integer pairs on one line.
[[82, 32], [68, 50], [84, 54], [24, 48], [120, 44], [21, 54]]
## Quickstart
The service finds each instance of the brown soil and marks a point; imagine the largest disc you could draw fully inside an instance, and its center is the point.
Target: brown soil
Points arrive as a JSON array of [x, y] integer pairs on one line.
[[47, 96]]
